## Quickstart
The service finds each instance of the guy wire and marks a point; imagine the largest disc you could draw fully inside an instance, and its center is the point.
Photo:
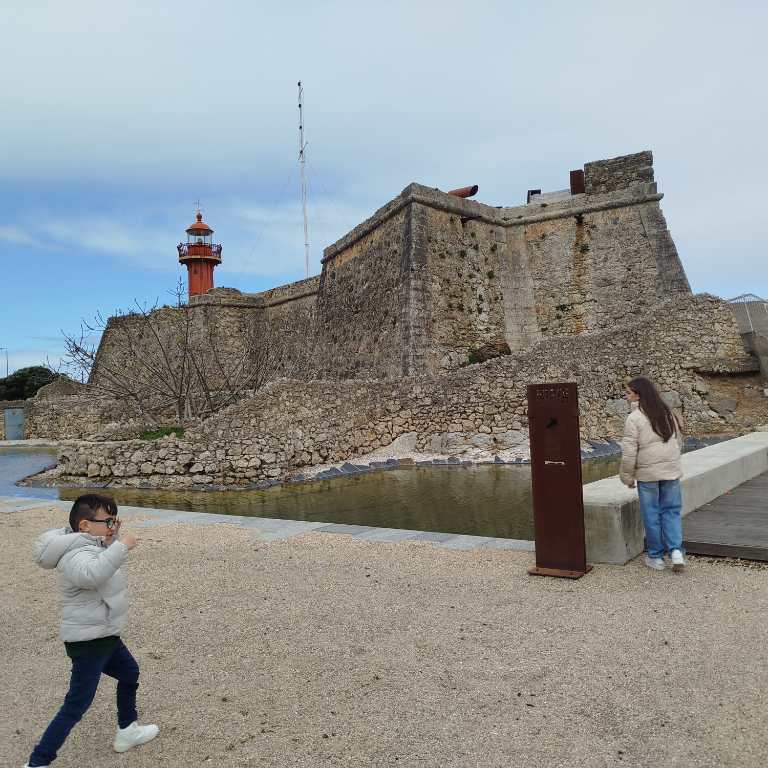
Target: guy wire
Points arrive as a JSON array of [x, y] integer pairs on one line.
[[328, 193], [267, 222]]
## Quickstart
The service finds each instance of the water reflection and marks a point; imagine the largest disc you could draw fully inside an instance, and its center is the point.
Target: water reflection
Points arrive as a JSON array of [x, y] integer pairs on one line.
[[16, 463], [483, 500]]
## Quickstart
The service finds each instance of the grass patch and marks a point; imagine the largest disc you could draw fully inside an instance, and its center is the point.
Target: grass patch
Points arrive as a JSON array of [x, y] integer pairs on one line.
[[164, 432]]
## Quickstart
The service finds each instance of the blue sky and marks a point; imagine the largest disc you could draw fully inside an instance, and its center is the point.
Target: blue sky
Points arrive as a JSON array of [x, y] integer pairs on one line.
[[117, 116]]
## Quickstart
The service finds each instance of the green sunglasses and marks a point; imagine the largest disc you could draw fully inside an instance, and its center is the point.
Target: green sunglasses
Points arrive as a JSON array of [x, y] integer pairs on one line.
[[110, 521]]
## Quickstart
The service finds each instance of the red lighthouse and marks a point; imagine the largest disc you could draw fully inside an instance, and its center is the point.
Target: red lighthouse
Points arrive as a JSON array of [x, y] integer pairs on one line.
[[200, 255]]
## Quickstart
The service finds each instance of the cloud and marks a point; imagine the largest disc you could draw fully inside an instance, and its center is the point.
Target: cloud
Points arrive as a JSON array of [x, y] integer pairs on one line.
[[112, 128], [106, 235], [16, 236]]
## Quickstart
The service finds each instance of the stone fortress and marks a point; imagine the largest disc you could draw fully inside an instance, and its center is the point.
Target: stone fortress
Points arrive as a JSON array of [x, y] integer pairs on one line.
[[581, 285], [430, 276]]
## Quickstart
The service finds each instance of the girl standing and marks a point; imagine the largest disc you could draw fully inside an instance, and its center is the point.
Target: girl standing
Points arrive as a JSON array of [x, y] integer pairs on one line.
[[650, 458]]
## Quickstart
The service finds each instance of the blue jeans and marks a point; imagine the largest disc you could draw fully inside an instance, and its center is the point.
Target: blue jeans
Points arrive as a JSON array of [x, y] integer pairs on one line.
[[86, 673], [660, 505]]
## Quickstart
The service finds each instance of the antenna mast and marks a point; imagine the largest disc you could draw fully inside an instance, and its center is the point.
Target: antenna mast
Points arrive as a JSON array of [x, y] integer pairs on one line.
[[303, 174]]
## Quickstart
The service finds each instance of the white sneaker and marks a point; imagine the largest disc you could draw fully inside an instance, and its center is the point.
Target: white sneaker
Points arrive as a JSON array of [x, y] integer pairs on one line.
[[655, 562], [134, 734], [678, 561]]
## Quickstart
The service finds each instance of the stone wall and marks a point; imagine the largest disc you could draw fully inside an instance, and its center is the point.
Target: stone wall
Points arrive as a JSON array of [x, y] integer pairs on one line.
[[618, 173], [364, 302], [429, 277], [72, 417], [289, 425], [460, 274], [48, 416], [226, 316]]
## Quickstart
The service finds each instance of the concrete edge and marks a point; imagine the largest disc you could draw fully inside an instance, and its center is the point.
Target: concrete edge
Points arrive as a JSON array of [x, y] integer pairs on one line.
[[612, 521], [277, 529]]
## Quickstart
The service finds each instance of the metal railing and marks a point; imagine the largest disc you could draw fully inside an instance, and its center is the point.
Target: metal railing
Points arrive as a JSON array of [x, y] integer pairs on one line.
[[204, 251], [751, 313]]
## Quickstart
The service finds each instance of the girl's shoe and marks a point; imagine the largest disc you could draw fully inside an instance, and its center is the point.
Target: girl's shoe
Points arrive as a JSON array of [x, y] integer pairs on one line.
[[133, 735], [27, 765], [678, 561], [656, 563]]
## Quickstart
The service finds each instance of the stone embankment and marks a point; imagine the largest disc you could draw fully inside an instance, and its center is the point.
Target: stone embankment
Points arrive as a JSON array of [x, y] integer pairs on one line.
[[293, 425]]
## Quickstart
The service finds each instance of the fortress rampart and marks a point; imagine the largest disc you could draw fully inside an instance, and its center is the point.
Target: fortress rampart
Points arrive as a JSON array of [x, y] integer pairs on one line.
[[584, 287], [429, 277], [290, 424]]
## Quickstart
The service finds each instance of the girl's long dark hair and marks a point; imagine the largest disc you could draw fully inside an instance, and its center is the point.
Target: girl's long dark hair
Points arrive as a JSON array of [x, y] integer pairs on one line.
[[663, 422]]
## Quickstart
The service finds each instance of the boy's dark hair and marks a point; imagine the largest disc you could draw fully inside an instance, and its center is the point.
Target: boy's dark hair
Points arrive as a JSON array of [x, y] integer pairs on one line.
[[87, 506]]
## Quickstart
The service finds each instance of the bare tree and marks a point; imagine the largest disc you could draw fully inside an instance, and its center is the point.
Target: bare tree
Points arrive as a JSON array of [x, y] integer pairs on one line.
[[175, 361]]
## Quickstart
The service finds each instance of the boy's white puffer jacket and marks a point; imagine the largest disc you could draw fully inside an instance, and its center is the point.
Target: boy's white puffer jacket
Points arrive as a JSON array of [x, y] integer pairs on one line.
[[644, 455], [91, 587]]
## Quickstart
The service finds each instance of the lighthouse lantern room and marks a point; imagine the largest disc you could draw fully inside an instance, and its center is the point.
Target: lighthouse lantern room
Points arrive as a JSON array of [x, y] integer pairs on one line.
[[200, 255]]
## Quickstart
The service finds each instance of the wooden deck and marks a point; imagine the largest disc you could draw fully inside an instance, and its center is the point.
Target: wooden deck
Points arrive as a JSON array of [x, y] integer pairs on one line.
[[732, 525]]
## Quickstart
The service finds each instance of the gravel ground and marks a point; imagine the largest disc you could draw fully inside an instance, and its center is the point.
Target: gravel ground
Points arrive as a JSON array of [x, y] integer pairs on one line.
[[318, 650]]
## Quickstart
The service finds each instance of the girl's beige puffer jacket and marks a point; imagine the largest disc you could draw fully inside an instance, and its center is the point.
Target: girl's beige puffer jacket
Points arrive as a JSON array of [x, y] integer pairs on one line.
[[644, 456], [93, 601]]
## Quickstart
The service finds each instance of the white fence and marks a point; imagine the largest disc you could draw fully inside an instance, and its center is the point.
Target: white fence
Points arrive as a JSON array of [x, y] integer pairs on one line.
[[751, 313]]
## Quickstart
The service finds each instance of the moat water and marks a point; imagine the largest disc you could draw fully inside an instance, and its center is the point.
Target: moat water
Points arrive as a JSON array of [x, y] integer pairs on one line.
[[482, 500]]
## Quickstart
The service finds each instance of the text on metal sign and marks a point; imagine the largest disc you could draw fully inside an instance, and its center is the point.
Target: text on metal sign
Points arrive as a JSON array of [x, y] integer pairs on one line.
[[552, 395]]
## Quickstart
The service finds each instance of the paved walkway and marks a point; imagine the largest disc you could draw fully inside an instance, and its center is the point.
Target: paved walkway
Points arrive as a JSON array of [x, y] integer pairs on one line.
[[274, 529], [732, 525]]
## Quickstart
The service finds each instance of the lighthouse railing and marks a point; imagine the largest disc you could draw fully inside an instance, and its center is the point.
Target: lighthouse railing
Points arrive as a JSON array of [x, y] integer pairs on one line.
[[187, 250]]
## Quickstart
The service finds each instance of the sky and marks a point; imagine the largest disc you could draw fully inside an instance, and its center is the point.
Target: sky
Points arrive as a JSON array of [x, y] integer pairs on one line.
[[117, 116]]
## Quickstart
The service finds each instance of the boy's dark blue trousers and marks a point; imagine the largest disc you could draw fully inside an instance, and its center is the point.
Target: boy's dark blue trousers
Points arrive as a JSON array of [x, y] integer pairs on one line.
[[86, 672]]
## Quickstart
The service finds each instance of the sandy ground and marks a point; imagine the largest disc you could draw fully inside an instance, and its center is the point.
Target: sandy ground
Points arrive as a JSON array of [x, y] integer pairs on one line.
[[319, 650]]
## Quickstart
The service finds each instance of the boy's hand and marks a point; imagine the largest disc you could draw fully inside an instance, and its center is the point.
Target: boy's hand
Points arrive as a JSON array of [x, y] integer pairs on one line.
[[129, 540]]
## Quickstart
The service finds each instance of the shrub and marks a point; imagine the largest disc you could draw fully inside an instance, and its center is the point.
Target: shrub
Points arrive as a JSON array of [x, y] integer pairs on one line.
[[163, 432], [25, 382]]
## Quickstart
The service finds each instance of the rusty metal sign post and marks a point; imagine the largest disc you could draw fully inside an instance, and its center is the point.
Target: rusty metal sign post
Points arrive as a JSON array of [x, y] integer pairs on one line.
[[558, 502]]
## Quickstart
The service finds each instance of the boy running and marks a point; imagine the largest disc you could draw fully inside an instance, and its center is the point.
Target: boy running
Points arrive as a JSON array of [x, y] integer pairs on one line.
[[88, 554]]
